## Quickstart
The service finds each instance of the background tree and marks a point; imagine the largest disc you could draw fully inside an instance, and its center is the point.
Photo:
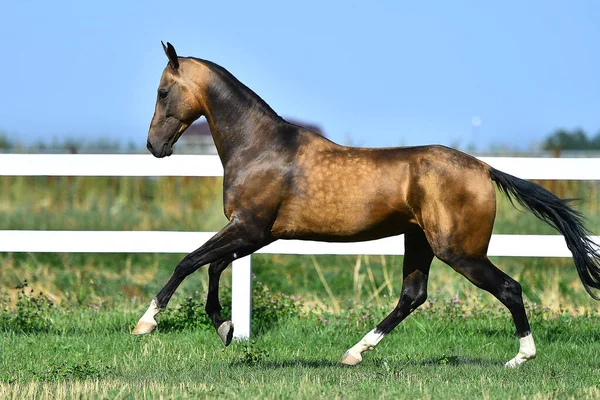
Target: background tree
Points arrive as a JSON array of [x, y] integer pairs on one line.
[[5, 143], [577, 139]]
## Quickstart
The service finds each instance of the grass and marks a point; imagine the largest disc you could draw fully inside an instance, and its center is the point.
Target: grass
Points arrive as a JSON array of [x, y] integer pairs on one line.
[[191, 204], [91, 355], [454, 346], [105, 203], [73, 341], [111, 280]]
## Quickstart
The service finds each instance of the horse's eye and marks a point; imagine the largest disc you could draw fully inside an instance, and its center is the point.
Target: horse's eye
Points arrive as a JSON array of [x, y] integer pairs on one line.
[[162, 93]]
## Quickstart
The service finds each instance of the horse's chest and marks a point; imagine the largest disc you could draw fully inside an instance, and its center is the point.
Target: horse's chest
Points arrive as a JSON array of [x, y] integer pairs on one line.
[[256, 197]]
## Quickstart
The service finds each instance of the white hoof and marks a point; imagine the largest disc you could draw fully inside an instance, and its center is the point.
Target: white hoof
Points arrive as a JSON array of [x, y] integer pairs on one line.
[[351, 359], [225, 331], [520, 359], [147, 323], [354, 355], [144, 327], [526, 352]]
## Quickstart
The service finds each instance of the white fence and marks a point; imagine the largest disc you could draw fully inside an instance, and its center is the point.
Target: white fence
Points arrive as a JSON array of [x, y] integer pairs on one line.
[[185, 242]]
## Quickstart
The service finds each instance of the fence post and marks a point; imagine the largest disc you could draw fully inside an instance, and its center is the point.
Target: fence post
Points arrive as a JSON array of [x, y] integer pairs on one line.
[[241, 297]]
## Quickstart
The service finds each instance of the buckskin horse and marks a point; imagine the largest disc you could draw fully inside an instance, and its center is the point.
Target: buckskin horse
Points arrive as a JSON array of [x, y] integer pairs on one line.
[[282, 181]]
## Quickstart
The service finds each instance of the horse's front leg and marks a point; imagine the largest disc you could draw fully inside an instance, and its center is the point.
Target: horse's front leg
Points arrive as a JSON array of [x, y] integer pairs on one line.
[[213, 306], [235, 240]]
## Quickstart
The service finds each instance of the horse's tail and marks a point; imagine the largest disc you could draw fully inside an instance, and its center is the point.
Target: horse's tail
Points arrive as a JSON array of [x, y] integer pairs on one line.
[[559, 214]]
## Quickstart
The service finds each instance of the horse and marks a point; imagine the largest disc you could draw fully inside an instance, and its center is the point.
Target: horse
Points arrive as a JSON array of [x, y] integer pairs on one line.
[[283, 181]]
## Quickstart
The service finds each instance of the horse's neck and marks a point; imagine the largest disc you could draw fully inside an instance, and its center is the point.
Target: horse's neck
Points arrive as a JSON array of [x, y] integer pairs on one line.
[[236, 133], [238, 126]]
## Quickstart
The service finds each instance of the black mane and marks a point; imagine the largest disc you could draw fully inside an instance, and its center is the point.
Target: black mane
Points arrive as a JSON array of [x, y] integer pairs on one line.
[[248, 94]]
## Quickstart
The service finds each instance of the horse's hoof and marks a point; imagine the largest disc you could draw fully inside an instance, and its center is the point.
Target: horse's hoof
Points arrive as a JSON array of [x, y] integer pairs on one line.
[[143, 327], [349, 359], [518, 361], [514, 363], [225, 331]]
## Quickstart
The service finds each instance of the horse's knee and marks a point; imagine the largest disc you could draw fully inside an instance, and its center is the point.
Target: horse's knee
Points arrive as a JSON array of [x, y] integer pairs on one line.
[[409, 300], [419, 299], [511, 293]]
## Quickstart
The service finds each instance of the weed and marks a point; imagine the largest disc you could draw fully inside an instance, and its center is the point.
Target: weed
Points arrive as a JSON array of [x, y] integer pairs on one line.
[[254, 354], [71, 370], [268, 309], [188, 314], [31, 312]]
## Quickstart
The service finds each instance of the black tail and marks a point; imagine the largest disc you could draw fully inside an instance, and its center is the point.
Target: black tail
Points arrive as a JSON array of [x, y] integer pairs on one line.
[[558, 213]]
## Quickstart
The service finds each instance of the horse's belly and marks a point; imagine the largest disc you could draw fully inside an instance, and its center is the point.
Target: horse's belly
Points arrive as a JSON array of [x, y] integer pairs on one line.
[[332, 235], [340, 224]]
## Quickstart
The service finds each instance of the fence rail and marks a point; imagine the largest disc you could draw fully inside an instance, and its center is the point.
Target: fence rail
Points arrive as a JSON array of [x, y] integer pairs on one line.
[[196, 165], [184, 242]]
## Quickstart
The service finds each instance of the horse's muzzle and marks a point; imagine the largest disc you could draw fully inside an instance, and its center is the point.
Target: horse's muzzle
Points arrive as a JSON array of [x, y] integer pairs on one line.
[[165, 150]]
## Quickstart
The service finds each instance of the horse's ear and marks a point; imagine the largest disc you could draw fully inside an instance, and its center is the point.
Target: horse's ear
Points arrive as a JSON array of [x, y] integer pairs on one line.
[[171, 54]]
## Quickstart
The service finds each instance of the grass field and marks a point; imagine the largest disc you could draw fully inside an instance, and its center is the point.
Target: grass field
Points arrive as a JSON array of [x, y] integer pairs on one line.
[[191, 204], [90, 354], [77, 344]]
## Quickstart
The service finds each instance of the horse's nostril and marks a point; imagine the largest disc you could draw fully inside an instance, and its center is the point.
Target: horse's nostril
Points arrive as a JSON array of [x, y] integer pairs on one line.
[[149, 145]]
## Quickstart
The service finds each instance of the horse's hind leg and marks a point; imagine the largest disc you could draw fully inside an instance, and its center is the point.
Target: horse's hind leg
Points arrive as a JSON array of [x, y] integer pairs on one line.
[[485, 275], [417, 260]]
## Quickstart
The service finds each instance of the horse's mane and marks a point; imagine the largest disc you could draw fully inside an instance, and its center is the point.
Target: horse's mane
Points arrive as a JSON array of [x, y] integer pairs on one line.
[[239, 87]]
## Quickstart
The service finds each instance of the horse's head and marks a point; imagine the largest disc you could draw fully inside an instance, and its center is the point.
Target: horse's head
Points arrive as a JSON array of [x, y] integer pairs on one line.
[[176, 107]]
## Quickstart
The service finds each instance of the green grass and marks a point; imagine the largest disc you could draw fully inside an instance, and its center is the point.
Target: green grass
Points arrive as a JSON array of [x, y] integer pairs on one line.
[[111, 280], [192, 204], [105, 203], [92, 355], [452, 347], [79, 344]]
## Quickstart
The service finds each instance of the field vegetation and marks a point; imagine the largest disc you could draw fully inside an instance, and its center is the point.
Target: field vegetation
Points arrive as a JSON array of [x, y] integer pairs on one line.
[[65, 318]]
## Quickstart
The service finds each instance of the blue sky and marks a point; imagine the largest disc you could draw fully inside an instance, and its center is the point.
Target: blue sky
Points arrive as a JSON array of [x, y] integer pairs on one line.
[[380, 74]]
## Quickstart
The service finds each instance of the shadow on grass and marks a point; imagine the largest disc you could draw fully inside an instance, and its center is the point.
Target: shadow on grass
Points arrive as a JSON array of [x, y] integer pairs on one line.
[[449, 360], [456, 361], [302, 363]]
